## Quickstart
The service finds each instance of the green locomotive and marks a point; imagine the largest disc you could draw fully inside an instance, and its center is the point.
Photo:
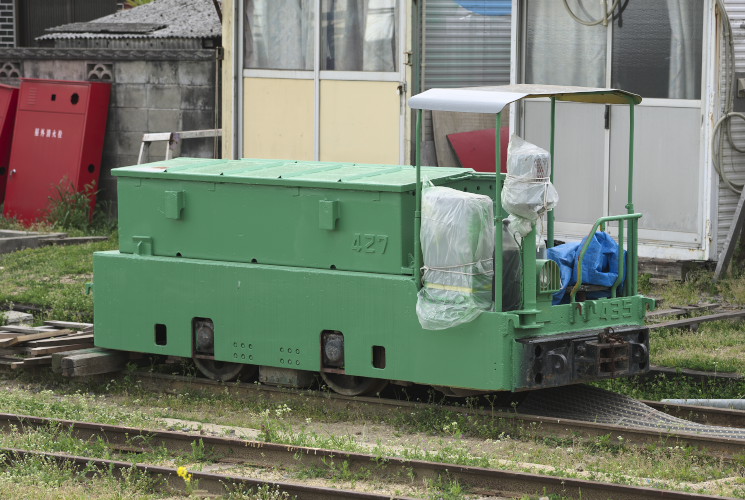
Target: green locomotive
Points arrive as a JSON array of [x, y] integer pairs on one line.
[[292, 268]]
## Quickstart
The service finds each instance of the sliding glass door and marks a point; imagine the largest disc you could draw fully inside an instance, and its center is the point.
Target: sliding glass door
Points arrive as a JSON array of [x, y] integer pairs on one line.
[[650, 47]]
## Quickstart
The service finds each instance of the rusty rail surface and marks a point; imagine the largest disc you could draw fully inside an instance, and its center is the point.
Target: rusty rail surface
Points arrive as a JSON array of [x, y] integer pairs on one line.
[[490, 481]]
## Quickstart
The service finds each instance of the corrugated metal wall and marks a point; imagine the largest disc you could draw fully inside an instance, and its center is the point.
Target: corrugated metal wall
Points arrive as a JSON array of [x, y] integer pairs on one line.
[[463, 48], [36, 15], [732, 162]]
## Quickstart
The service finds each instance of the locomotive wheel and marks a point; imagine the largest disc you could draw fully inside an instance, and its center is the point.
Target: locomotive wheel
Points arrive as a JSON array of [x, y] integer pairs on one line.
[[222, 371], [352, 385]]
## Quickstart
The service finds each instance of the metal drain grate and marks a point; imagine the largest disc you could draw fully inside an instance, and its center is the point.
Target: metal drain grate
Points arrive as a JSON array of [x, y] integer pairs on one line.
[[591, 404]]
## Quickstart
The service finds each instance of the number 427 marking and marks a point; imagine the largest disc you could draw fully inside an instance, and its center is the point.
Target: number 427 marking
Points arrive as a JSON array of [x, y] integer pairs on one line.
[[370, 243]]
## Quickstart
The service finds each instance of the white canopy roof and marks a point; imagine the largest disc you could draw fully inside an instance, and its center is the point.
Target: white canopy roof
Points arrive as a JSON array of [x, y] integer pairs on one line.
[[494, 99]]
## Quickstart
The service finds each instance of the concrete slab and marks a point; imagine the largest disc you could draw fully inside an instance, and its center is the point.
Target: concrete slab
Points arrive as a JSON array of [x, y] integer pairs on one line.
[[17, 318], [10, 241]]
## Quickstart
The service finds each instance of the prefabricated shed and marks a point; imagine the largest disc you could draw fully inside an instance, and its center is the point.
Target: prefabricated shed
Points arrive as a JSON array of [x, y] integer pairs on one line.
[[676, 55]]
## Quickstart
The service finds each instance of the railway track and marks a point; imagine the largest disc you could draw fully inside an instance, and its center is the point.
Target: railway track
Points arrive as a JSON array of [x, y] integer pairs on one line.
[[169, 480], [702, 414], [480, 480], [637, 423]]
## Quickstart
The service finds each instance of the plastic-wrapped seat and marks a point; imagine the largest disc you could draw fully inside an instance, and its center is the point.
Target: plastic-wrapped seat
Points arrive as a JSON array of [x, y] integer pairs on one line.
[[457, 237]]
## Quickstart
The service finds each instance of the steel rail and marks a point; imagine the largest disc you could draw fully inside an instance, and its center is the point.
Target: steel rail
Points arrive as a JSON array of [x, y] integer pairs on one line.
[[702, 414], [211, 483], [719, 446], [694, 322], [263, 454]]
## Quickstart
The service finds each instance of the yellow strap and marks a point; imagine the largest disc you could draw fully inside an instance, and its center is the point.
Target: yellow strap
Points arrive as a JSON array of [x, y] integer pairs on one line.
[[452, 288]]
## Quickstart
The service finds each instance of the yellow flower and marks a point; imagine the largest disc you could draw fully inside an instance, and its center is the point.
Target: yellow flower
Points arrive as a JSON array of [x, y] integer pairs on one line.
[[183, 472]]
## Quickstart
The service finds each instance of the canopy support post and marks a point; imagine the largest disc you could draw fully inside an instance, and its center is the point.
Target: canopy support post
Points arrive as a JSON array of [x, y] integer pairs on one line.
[[498, 218], [633, 263], [550, 216], [418, 208]]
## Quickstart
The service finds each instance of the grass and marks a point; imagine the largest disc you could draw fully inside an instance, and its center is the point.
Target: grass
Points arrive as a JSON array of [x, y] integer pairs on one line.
[[660, 387], [52, 277], [431, 433], [714, 347], [36, 478]]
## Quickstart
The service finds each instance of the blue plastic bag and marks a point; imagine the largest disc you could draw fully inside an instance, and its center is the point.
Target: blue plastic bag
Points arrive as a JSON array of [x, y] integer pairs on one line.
[[600, 266]]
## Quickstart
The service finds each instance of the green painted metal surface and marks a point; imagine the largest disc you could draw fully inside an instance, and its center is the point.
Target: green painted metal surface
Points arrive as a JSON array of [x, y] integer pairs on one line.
[[274, 316], [287, 173], [308, 214]]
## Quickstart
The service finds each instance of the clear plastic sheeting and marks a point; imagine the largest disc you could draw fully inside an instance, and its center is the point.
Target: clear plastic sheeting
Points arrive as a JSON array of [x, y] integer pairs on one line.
[[457, 237], [527, 193]]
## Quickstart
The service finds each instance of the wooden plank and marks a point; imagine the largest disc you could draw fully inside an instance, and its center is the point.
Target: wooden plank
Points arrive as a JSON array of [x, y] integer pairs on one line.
[[733, 235], [8, 335], [93, 363], [69, 324], [678, 323], [33, 336], [39, 360], [57, 357], [69, 339], [11, 362], [26, 329], [40, 351]]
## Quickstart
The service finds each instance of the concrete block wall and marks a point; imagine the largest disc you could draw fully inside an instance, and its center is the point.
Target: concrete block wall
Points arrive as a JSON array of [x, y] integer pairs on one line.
[[146, 96], [7, 23]]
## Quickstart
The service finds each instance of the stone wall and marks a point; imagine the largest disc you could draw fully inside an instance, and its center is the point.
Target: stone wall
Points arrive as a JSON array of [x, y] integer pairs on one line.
[[156, 95], [7, 24]]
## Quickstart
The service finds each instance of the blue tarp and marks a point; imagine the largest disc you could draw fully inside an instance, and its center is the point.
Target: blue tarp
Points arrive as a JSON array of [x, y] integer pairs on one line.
[[487, 7], [600, 266]]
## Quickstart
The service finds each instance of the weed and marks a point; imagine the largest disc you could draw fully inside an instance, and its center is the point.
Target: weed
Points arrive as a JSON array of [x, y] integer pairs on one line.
[[645, 284], [697, 285], [263, 492], [199, 453], [443, 488], [70, 209], [607, 443]]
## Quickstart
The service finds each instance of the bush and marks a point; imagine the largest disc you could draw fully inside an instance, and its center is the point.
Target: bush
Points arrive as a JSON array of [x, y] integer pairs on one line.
[[70, 209]]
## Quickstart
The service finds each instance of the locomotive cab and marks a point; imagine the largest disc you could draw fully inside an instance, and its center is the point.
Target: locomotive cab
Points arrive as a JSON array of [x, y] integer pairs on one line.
[[542, 358], [290, 269]]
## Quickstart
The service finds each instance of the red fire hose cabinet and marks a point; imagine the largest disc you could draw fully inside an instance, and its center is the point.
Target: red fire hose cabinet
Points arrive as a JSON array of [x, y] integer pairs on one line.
[[8, 105], [59, 134]]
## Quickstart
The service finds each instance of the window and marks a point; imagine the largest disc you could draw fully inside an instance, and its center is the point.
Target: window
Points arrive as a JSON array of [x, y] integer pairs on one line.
[[358, 36], [355, 35], [560, 51], [656, 47], [279, 34]]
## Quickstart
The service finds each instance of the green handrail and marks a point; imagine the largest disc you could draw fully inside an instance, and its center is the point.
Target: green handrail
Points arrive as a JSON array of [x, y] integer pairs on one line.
[[631, 249]]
